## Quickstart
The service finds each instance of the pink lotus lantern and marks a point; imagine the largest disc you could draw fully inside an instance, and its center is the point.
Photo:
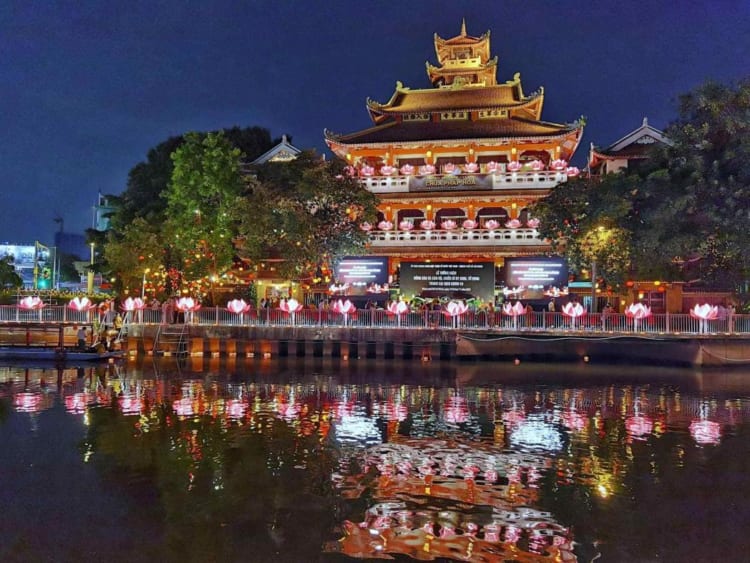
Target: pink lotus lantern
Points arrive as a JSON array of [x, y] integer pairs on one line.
[[238, 307], [514, 166], [536, 165], [387, 170], [494, 167], [406, 225], [367, 170], [397, 308], [513, 224], [81, 304], [345, 308], [572, 171], [449, 224], [558, 164], [451, 168], [637, 311], [491, 224], [187, 305], [704, 313], [514, 311], [471, 167], [407, 170], [427, 225], [574, 311], [366, 227], [426, 170], [469, 224], [31, 303], [533, 223], [455, 309], [137, 304], [385, 225], [350, 171], [291, 306]]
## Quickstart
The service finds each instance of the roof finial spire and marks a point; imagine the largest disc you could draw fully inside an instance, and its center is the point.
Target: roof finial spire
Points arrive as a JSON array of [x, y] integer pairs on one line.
[[645, 121], [463, 27]]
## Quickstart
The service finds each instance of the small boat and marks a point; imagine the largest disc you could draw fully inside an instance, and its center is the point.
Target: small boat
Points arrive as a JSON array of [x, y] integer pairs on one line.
[[48, 354]]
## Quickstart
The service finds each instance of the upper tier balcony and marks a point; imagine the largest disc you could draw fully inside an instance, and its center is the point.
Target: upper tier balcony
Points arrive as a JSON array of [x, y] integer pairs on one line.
[[457, 237], [525, 180]]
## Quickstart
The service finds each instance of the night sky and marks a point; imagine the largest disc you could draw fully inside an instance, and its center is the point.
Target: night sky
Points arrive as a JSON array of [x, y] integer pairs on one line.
[[87, 88]]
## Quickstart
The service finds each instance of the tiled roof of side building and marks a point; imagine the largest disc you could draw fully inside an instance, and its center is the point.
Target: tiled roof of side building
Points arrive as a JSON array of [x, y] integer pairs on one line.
[[449, 99], [446, 130]]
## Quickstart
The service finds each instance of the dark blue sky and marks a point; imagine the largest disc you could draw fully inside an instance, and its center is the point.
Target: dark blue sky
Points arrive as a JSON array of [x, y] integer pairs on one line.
[[86, 88]]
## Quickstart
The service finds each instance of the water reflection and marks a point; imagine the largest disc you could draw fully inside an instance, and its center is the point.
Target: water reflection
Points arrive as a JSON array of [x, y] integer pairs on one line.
[[303, 461]]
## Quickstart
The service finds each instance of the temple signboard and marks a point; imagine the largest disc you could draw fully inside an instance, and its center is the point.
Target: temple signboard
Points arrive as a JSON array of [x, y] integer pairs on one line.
[[449, 182]]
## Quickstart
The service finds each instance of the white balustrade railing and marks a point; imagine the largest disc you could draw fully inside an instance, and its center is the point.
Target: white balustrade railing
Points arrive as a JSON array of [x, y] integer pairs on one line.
[[457, 237], [501, 180], [614, 323]]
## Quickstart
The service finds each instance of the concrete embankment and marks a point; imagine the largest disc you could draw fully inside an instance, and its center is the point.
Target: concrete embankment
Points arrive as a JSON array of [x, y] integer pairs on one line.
[[433, 344]]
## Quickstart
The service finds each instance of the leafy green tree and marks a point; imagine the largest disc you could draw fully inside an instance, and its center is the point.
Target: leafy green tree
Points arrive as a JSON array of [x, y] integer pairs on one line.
[[8, 275], [139, 248], [304, 212], [205, 188]]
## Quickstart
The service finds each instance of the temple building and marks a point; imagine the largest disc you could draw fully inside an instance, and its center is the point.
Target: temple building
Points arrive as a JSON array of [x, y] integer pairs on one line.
[[625, 153], [457, 165]]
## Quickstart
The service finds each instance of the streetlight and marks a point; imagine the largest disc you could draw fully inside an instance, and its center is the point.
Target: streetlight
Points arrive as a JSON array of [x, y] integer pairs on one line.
[[90, 276], [143, 284]]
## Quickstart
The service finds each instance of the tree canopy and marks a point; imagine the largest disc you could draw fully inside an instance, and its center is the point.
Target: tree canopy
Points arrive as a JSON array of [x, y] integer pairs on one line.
[[689, 204]]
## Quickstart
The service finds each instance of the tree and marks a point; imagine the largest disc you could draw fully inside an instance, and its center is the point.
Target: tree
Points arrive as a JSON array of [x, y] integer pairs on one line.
[[8, 275], [305, 212], [203, 193], [139, 248]]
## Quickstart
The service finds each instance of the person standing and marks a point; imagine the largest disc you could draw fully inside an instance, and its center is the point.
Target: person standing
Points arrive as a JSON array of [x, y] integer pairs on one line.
[[81, 336]]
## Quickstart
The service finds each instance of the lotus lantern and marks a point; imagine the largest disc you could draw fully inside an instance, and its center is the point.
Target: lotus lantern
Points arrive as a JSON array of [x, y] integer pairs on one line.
[[367, 170], [572, 171], [637, 311], [130, 305], [385, 225], [81, 304], [291, 306], [704, 313], [537, 165], [345, 308], [449, 224], [574, 311], [427, 225], [469, 224], [366, 227], [187, 305], [397, 308], [350, 171], [471, 167], [455, 309], [533, 223], [31, 303], [407, 170], [705, 432], [450, 168], [638, 426], [238, 306], [406, 225], [513, 224], [426, 170], [514, 311], [491, 224], [558, 164], [514, 166], [493, 167], [387, 170]]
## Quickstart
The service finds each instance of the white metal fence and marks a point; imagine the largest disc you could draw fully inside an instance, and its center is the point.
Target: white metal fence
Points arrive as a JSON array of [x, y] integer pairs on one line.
[[378, 318]]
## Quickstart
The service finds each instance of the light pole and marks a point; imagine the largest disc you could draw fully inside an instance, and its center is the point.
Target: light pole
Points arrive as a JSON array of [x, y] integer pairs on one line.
[[90, 276], [593, 286], [143, 283]]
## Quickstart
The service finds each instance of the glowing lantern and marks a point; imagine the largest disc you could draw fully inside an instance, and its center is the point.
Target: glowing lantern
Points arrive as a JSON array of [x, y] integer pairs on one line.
[[513, 224], [514, 166], [572, 171], [451, 168], [238, 307], [81, 304], [385, 225], [367, 170], [31, 303], [366, 227], [291, 306], [130, 304], [350, 171], [536, 165], [387, 170], [455, 309], [469, 224], [637, 311], [574, 311], [491, 225], [514, 311], [406, 225], [427, 225], [493, 167], [705, 431], [407, 170], [449, 224], [397, 308], [344, 308], [426, 170], [558, 164], [704, 313], [471, 167], [187, 305], [533, 223]]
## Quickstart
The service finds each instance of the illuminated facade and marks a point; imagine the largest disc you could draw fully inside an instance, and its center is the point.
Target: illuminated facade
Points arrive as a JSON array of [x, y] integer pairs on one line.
[[627, 152], [457, 165]]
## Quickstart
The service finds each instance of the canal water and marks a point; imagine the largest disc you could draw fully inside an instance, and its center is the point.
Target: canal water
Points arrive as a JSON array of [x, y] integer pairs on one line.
[[264, 460]]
